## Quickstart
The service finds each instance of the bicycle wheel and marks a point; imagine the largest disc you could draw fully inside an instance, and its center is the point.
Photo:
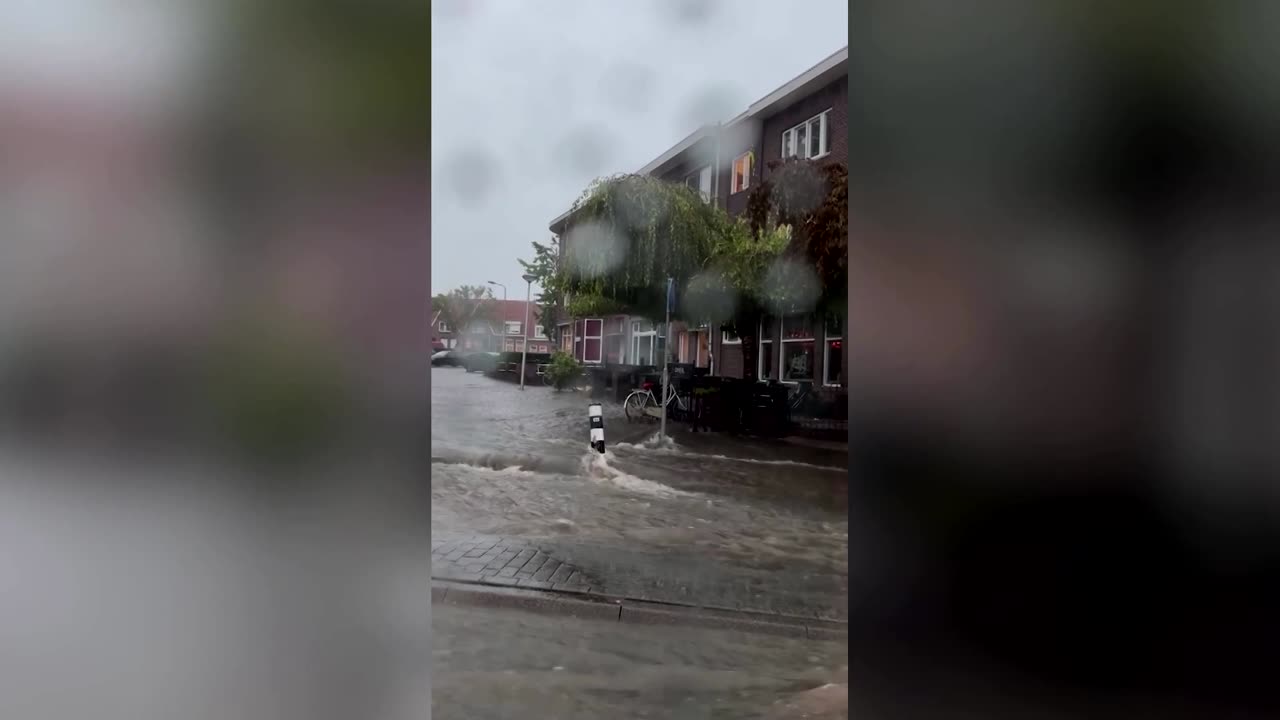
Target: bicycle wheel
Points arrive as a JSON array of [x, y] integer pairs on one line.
[[634, 406]]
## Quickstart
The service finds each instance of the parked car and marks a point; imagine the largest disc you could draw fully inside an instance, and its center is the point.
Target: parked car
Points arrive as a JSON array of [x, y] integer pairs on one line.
[[480, 362], [447, 358]]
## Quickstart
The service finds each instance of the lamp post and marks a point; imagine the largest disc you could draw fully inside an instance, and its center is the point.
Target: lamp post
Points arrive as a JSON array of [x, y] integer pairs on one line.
[[528, 291], [502, 315]]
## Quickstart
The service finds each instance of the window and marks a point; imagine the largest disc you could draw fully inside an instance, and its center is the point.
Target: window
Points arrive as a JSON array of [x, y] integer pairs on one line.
[[741, 177], [443, 327], [513, 327], [728, 337], [591, 340], [798, 349], [539, 332], [701, 181], [643, 339], [832, 372], [566, 338], [767, 357], [807, 140], [700, 347]]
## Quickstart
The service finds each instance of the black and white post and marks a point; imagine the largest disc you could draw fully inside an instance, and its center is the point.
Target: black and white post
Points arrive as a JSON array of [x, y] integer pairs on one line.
[[596, 417]]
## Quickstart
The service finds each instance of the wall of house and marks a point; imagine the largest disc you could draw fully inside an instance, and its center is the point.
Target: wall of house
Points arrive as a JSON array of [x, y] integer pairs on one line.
[[834, 97], [728, 357], [734, 141], [696, 157]]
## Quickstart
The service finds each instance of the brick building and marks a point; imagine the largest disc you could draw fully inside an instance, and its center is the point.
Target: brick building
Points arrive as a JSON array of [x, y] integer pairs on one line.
[[807, 118], [507, 334]]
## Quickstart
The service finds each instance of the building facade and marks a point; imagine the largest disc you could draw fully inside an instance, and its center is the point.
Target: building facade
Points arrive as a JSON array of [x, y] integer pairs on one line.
[[507, 333], [806, 118]]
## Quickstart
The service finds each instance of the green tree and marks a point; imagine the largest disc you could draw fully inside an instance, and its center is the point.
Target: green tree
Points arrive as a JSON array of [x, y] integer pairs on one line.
[[627, 235], [811, 199], [463, 306], [543, 270]]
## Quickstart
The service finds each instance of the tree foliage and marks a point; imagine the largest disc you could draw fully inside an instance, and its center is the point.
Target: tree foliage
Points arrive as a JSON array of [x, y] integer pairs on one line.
[[813, 200], [563, 370], [543, 270], [463, 305], [629, 233]]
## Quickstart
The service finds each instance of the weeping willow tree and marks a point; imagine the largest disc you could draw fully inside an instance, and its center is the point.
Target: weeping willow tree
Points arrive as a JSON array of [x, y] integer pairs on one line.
[[628, 234]]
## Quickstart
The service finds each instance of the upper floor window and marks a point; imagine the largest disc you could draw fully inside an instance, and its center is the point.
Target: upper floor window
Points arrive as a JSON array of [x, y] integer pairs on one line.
[[539, 332], [443, 326], [741, 177], [807, 140], [513, 327], [701, 181]]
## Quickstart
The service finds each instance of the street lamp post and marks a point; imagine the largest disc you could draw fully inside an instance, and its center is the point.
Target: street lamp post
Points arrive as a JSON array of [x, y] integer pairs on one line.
[[528, 291], [502, 316]]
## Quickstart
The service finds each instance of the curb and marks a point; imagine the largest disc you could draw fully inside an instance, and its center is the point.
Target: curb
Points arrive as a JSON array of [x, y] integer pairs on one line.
[[638, 612]]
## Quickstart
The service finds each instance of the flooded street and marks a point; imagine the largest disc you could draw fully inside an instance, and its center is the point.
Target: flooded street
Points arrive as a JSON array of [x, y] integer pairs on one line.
[[508, 664], [706, 518]]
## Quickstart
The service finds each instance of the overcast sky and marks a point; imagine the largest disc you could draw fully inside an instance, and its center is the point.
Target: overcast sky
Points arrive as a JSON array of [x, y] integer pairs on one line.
[[531, 100]]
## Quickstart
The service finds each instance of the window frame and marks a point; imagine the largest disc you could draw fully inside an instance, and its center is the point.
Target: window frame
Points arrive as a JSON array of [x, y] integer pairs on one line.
[[598, 337], [827, 337], [782, 346], [637, 334], [506, 327], [443, 327], [734, 189], [697, 177], [760, 349], [724, 338], [824, 138]]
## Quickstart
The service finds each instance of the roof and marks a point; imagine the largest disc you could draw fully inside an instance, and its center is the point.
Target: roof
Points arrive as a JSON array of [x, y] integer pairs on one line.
[[829, 68], [514, 311]]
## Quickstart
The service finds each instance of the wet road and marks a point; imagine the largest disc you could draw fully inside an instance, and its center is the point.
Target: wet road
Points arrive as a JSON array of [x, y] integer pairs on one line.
[[706, 519], [512, 664]]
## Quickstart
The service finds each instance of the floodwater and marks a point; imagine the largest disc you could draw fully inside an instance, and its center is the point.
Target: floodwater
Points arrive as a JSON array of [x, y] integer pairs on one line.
[[512, 664], [704, 518]]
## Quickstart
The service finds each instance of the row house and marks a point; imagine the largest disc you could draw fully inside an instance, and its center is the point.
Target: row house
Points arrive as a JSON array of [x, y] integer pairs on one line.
[[806, 118], [507, 334]]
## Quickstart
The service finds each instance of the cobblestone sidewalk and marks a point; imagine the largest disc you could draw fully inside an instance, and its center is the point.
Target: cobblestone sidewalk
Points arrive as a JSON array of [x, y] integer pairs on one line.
[[503, 561]]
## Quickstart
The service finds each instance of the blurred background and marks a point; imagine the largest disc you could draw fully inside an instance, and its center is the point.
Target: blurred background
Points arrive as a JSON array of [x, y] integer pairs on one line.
[[214, 238], [1062, 318]]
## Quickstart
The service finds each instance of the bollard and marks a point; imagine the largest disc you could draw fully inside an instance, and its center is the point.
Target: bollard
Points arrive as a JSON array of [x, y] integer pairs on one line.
[[596, 418]]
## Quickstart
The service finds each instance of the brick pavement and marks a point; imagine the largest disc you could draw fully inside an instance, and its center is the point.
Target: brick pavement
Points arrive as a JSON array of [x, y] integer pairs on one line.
[[503, 561]]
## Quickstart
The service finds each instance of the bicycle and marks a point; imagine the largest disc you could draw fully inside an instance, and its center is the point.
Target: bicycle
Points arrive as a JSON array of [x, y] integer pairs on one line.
[[639, 402]]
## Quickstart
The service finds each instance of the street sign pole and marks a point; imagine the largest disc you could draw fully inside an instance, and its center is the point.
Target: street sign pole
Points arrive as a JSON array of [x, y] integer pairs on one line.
[[666, 354]]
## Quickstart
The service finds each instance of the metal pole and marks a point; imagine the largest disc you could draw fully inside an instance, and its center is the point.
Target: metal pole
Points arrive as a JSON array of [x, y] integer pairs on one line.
[[524, 352], [502, 317], [666, 353]]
